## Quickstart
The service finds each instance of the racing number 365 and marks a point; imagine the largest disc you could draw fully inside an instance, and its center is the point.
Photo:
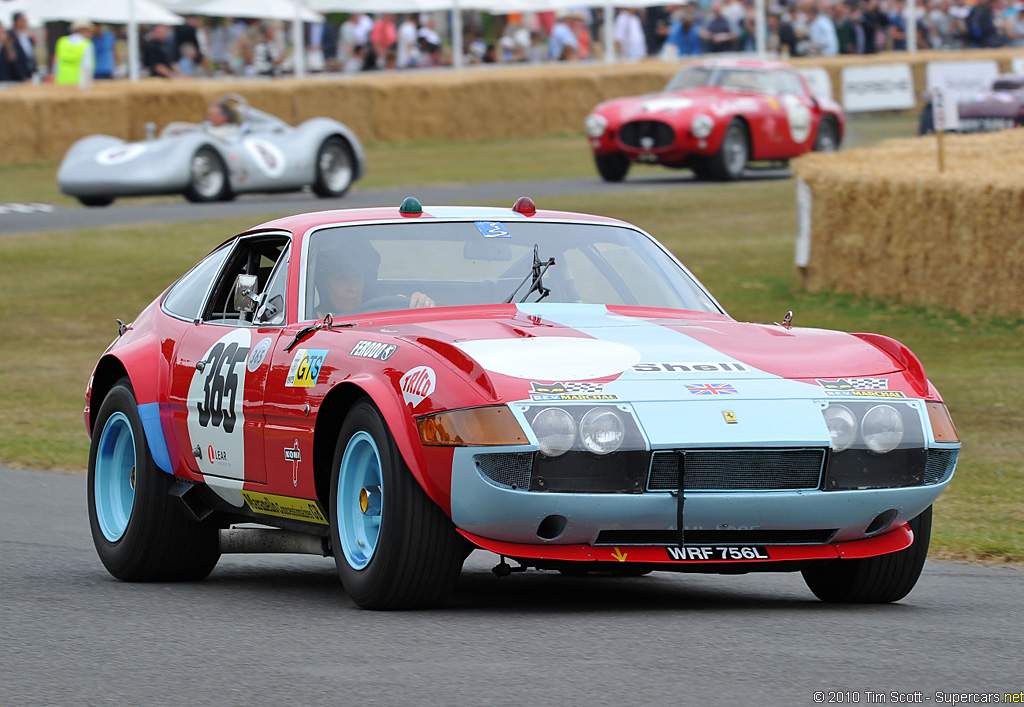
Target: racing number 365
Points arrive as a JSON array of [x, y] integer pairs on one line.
[[212, 410]]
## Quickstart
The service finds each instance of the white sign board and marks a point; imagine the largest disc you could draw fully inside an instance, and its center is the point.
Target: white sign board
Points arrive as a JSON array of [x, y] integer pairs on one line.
[[965, 78], [944, 109], [821, 84], [878, 87], [1017, 65]]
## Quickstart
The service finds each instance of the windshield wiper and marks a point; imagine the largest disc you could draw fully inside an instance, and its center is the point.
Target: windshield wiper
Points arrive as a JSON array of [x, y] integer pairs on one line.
[[536, 272]]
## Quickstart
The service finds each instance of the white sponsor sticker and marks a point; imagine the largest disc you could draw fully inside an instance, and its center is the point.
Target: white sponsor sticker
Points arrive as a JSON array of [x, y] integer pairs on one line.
[[258, 354], [215, 406], [120, 154], [267, 156], [552, 358], [799, 117], [417, 384]]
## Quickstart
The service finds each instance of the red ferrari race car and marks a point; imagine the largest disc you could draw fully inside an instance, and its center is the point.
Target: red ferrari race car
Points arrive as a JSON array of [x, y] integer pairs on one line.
[[395, 387], [714, 117]]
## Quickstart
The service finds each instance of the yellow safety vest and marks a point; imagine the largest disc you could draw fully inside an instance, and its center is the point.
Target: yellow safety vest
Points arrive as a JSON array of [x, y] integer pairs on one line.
[[69, 60]]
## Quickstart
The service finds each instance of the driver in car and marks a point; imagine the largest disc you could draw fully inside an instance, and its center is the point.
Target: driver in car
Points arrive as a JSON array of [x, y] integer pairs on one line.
[[222, 118], [347, 278]]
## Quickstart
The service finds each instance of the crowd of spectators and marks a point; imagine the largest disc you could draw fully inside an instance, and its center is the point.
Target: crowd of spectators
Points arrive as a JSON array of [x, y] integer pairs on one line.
[[360, 42]]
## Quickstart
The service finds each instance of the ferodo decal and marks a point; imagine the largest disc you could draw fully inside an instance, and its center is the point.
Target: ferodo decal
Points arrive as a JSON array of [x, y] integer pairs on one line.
[[373, 349], [305, 368], [799, 117], [267, 156], [257, 355], [711, 389], [573, 390], [284, 507], [689, 368], [418, 384], [859, 388], [215, 413], [119, 154]]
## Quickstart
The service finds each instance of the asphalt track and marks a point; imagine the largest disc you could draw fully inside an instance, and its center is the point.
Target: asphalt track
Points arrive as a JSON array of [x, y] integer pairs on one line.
[[259, 205], [279, 630]]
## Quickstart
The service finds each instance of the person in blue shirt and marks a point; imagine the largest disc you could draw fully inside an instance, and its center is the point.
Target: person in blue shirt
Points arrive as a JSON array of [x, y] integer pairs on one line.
[[685, 33], [103, 42]]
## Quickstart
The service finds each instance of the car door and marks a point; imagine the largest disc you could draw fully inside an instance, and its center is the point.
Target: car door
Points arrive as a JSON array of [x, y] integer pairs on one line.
[[219, 377]]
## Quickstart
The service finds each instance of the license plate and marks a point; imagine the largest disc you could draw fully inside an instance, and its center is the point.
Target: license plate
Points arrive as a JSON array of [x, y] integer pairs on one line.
[[647, 157], [717, 553]]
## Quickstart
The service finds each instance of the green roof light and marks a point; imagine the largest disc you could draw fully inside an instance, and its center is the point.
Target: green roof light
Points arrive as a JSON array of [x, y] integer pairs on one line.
[[411, 205]]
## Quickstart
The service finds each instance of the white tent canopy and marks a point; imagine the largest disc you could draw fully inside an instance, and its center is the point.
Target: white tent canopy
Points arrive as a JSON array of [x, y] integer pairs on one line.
[[258, 9], [118, 12], [7, 10]]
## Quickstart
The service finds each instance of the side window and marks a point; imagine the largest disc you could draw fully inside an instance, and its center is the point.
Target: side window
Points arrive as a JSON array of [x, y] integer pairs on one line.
[[789, 83], [255, 255], [186, 296], [271, 312]]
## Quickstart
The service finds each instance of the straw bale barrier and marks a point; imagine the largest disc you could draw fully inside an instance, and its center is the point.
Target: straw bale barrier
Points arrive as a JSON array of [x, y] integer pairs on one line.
[[886, 224], [39, 123]]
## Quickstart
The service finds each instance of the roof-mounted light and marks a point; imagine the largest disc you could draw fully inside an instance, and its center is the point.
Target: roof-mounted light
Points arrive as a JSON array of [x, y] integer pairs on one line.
[[411, 207], [525, 206]]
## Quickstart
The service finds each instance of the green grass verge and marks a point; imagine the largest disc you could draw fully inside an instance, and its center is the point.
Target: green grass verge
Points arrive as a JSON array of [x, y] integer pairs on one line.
[[62, 291]]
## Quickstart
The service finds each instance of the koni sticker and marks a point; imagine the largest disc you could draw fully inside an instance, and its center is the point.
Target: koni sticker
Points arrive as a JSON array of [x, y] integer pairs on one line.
[[294, 455], [373, 349], [571, 390], [859, 388], [711, 389], [305, 368], [417, 384], [284, 507]]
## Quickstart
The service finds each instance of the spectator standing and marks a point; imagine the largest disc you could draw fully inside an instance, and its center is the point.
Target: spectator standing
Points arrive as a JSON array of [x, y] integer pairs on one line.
[[192, 32], [685, 33], [408, 42], [657, 24], [267, 55], [383, 37], [352, 39], [782, 37], [981, 27], [630, 42], [824, 41], [720, 36], [875, 23], [322, 46], [898, 26], [563, 45], [73, 57], [8, 57], [846, 32], [155, 55], [104, 43], [24, 49]]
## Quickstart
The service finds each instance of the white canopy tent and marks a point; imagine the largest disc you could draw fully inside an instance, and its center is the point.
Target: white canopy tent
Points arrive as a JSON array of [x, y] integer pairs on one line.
[[7, 10]]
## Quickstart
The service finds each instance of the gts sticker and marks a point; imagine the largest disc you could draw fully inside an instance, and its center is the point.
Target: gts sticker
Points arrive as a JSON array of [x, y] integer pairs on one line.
[[305, 368]]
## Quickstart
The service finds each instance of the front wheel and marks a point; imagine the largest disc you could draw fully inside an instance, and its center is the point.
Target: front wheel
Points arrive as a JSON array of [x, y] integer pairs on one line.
[[208, 180], [138, 534], [612, 168], [873, 580], [334, 168], [729, 162], [394, 548]]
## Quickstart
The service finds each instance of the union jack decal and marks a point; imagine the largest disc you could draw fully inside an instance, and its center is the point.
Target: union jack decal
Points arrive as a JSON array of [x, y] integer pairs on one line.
[[711, 389]]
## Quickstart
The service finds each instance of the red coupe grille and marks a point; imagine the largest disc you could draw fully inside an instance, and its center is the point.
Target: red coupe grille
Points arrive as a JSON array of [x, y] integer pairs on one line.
[[647, 134]]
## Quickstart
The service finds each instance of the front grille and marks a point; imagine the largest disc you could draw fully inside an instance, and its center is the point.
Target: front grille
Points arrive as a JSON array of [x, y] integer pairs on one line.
[[939, 465], [716, 537], [737, 470], [647, 134], [507, 471]]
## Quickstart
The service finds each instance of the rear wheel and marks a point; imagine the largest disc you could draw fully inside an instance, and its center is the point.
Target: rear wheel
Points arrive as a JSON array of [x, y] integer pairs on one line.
[[729, 162], [334, 168], [96, 200], [873, 580], [394, 548], [612, 168], [209, 177], [138, 534]]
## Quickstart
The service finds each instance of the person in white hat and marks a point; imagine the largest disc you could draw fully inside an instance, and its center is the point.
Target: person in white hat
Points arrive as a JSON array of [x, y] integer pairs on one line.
[[73, 57]]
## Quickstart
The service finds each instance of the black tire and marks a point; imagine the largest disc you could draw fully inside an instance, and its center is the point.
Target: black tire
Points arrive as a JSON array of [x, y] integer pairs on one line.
[[417, 555], [873, 580], [335, 168], [827, 139], [208, 179], [731, 159], [96, 200], [612, 168], [159, 543]]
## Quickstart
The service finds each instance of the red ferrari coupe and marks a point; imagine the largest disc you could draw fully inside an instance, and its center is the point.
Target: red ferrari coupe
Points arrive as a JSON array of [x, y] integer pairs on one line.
[[714, 117]]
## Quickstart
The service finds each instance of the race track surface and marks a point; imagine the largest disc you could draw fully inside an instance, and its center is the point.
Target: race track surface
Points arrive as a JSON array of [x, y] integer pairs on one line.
[[279, 630]]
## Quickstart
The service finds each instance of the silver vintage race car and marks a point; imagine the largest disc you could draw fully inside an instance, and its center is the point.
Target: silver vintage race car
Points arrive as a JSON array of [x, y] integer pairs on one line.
[[250, 151]]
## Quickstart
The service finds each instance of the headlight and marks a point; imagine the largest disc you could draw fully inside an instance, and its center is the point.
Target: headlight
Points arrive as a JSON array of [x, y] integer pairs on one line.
[[602, 430], [701, 126], [882, 429], [594, 125], [555, 430], [842, 426]]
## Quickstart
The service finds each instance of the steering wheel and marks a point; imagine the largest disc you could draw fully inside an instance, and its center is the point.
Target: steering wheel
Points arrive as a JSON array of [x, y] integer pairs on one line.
[[383, 303]]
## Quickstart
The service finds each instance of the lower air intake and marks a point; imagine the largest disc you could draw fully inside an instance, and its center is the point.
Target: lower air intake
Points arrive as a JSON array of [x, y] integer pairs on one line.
[[737, 470], [508, 470]]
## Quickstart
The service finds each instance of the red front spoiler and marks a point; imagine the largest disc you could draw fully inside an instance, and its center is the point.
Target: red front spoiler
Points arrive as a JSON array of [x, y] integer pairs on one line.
[[893, 541]]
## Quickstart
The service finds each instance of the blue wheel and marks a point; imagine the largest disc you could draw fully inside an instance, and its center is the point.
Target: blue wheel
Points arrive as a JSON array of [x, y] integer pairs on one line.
[[360, 499], [114, 480]]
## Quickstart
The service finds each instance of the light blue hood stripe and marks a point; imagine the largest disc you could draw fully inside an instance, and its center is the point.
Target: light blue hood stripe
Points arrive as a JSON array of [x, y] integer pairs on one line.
[[477, 213]]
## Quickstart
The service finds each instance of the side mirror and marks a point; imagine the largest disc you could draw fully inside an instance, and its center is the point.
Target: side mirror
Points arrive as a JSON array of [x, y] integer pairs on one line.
[[245, 299]]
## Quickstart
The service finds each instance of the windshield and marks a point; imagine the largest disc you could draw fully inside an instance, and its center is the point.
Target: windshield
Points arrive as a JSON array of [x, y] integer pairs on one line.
[[388, 266], [726, 77]]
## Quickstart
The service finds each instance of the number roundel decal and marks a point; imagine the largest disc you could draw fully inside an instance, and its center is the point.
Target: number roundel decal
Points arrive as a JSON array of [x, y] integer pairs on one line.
[[215, 406]]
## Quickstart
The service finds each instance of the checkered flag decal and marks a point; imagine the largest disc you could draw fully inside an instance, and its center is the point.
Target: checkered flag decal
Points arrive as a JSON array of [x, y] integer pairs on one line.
[[582, 387], [869, 383]]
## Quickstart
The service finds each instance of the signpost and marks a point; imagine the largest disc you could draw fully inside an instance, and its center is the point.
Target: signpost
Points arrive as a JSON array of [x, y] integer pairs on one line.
[[945, 116]]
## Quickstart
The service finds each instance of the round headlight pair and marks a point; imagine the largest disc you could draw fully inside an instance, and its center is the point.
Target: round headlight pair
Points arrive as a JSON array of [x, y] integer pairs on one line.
[[702, 126], [601, 431], [594, 125], [881, 428]]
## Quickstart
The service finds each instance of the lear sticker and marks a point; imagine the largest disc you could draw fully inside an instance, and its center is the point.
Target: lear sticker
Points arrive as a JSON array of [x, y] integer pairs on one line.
[[215, 405], [799, 117], [119, 154], [284, 507], [492, 229], [711, 389], [418, 384], [305, 368], [572, 390], [258, 354], [267, 157], [859, 388], [689, 368], [373, 349]]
